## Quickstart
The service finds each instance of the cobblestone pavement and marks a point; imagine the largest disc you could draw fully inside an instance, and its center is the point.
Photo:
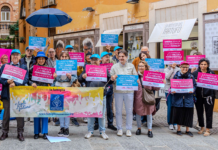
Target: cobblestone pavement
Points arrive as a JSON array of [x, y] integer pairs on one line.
[[164, 139]]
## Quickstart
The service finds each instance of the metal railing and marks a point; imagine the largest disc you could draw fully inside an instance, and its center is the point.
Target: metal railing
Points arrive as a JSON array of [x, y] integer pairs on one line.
[[5, 25]]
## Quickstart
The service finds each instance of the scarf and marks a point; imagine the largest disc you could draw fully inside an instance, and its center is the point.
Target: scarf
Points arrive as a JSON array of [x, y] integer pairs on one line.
[[185, 75]]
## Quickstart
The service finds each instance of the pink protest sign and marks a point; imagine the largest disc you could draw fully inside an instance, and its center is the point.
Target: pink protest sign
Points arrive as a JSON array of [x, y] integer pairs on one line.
[[207, 80], [6, 52], [182, 85], [80, 57], [108, 66], [96, 73], [0, 89], [172, 45], [193, 60], [12, 72], [171, 57], [152, 78], [43, 74]]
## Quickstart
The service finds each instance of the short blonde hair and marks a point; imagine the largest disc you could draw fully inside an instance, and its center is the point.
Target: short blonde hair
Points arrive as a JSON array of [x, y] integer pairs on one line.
[[145, 64]]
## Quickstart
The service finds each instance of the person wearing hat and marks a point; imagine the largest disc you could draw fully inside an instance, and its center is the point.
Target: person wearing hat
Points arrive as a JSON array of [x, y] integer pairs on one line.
[[183, 103], [95, 60], [6, 84], [40, 60], [29, 58], [115, 58], [69, 48]]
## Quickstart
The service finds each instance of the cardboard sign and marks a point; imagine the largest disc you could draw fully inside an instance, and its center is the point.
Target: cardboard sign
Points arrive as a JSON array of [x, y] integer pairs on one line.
[[171, 57], [96, 73], [193, 60], [127, 82], [154, 79], [37, 42], [172, 45], [80, 57], [109, 39], [155, 64], [66, 66], [207, 80], [182, 85], [43, 74]]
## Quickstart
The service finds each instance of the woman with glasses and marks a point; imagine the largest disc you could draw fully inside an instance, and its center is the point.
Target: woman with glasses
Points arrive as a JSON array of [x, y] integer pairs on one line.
[[182, 103], [4, 60]]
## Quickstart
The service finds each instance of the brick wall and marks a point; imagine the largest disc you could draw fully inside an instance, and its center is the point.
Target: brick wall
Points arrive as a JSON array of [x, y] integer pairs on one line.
[[14, 8]]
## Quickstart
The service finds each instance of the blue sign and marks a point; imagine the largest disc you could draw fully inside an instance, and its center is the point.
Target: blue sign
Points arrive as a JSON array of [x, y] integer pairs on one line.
[[57, 102], [127, 82], [37, 42], [66, 66], [155, 64], [109, 39]]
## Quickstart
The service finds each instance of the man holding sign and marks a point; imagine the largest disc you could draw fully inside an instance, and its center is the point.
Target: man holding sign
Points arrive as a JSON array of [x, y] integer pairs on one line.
[[9, 83]]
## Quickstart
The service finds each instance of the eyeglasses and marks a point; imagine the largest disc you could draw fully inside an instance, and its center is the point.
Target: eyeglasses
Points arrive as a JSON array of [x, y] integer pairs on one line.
[[141, 66], [51, 52], [185, 67], [86, 49]]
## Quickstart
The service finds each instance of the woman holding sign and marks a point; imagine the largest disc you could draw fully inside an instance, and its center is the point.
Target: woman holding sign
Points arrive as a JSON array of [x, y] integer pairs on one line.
[[141, 108], [182, 103], [40, 61], [205, 99], [64, 81]]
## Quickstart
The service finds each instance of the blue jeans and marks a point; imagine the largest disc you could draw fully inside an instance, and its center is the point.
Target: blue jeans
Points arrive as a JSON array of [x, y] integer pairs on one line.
[[37, 125], [169, 106], [127, 98], [64, 122], [101, 121], [149, 121]]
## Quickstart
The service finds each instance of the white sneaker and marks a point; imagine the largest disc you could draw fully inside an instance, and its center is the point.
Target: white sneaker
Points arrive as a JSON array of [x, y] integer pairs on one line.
[[120, 132], [104, 135], [88, 135], [128, 133], [175, 127], [85, 120], [171, 127]]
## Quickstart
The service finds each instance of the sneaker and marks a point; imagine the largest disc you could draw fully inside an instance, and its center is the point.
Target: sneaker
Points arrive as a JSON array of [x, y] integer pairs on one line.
[[74, 121], [104, 135], [66, 132], [85, 120], [61, 132], [88, 135], [120, 132], [112, 127], [189, 133], [175, 127], [171, 127], [150, 134], [128, 133]]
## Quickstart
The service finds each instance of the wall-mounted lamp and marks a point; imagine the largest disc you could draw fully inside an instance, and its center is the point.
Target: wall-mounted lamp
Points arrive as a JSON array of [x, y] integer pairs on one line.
[[90, 9], [132, 1]]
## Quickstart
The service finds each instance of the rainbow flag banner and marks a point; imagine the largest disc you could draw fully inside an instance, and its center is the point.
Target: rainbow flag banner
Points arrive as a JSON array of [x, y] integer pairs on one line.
[[27, 101]]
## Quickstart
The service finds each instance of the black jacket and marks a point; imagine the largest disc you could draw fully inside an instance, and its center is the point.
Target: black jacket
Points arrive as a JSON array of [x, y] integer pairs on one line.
[[32, 62], [203, 92]]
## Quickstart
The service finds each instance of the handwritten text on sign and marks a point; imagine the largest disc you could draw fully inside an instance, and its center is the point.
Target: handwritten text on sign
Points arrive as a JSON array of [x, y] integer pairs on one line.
[[154, 79], [96, 73], [181, 85], [207, 80], [43, 74]]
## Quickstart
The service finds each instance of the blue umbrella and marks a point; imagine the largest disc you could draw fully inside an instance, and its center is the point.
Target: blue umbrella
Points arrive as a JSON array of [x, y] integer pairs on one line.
[[48, 18]]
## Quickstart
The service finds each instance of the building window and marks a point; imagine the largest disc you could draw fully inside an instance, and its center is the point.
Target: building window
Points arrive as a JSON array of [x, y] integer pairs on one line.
[[5, 13], [47, 3]]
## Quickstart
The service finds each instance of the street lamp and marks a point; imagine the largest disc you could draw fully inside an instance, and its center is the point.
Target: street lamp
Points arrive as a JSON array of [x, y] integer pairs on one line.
[[90, 9], [132, 1]]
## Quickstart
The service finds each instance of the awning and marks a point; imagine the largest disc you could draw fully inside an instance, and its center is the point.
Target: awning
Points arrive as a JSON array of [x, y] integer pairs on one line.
[[172, 30], [115, 31]]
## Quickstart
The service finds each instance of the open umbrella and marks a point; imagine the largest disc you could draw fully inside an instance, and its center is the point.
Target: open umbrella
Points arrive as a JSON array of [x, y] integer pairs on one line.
[[48, 18]]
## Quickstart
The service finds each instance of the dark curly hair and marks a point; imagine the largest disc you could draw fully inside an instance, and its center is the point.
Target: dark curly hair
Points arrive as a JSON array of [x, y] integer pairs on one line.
[[204, 59]]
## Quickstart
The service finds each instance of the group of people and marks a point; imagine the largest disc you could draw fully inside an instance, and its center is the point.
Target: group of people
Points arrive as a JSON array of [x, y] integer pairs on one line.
[[180, 105]]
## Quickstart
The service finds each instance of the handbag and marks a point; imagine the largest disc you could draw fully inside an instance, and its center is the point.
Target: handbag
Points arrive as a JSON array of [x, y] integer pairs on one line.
[[148, 96]]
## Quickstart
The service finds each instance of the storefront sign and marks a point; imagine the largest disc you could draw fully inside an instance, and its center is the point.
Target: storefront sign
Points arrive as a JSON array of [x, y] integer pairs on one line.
[[80, 57], [15, 73], [37, 42], [127, 82], [6, 52], [207, 80], [66, 66], [109, 39], [108, 66], [172, 45], [43, 74], [171, 57], [134, 27], [182, 85], [193, 60], [27, 101], [96, 73], [155, 64], [152, 78]]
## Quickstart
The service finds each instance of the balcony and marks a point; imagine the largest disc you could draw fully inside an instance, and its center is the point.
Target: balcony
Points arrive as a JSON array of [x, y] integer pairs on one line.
[[47, 3], [5, 26]]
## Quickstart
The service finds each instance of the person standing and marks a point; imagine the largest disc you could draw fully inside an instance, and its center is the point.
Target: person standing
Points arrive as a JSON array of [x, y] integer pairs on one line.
[[4, 60], [88, 46], [6, 84], [69, 48], [95, 60], [170, 71], [64, 81], [38, 126], [205, 99], [123, 68], [115, 58], [183, 103], [51, 61], [140, 108], [29, 58]]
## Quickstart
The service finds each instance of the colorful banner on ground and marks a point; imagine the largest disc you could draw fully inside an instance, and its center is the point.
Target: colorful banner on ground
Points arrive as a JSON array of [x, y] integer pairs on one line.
[[172, 45], [109, 39], [27, 101], [171, 57], [11, 72], [155, 64], [193, 60], [66, 66], [108, 66], [43, 74], [80, 57], [182, 85], [37, 42], [96, 73], [6, 52], [127, 82], [207, 80], [154, 79]]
